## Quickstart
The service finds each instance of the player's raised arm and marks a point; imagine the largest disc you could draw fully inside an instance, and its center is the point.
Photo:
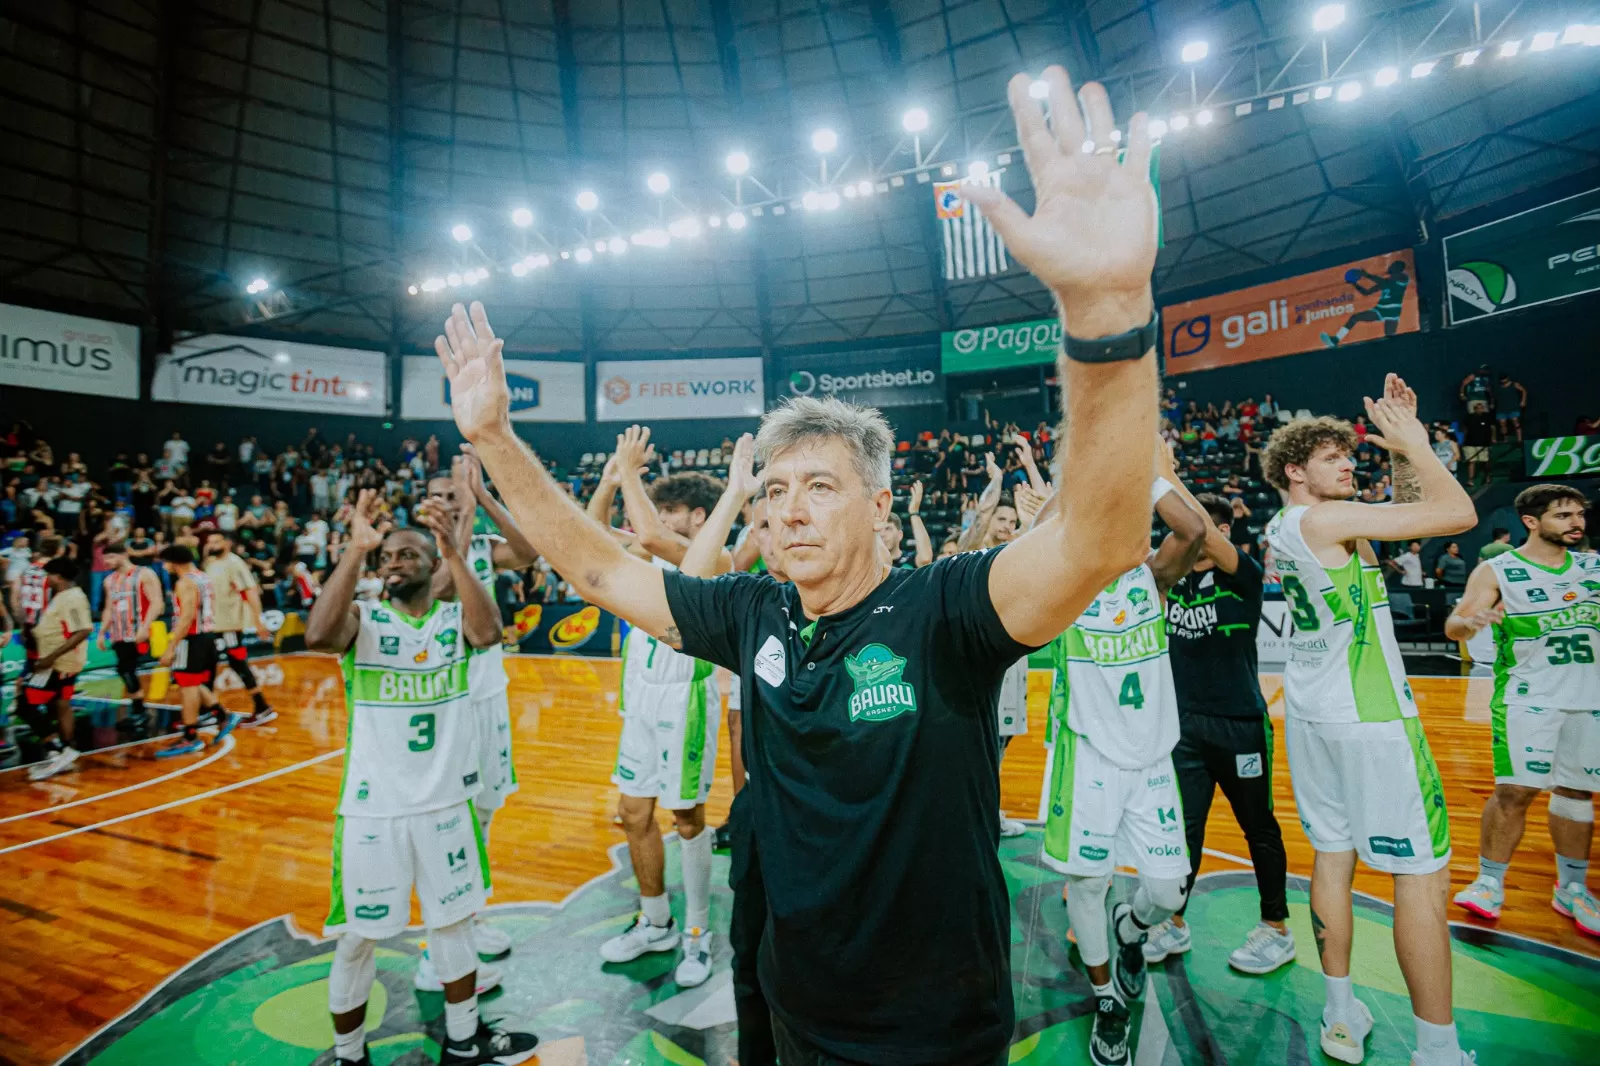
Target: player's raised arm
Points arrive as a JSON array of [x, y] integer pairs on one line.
[[480, 618], [634, 454], [333, 622], [515, 551], [596, 565], [1478, 607], [707, 556], [919, 532], [1181, 547], [1092, 241]]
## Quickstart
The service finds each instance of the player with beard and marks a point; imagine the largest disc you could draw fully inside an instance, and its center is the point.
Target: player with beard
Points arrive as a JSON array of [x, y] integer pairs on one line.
[[1543, 602], [192, 651], [1364, 778], [238, 604], [134, 601]]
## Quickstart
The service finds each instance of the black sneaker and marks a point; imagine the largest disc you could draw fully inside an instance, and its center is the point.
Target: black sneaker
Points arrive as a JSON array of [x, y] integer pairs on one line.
[[488, 1047], [1108, 1041], [1127, 960], [364, 1060]]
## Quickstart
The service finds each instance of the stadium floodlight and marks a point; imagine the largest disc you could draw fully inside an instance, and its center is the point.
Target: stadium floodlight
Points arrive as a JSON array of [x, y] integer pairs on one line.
[[519, 269], [617, 245], [1039, 90], [1423, 69], [1386, 76], [738, 163], [658, 183], [1195, 51], [1543, 42], [540, 260], [587, 200], [1204, 117], [452, 280], [413, 290], [1469, 57], [461, 232], [830, 201], [915, 120], [977, 169], [257, 285], [433, 285], [864, 188], [1350, 90], [824, 141], [1323, 92], [651, 238], [1509, 49], [1158, 128], [583, 255], [1179, 123], [522, 218], [737, 221], [599, 247], [812, 200], [684, 227], [1327, 17]]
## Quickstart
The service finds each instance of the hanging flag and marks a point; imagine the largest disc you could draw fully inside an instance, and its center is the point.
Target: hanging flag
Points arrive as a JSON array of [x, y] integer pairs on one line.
[[972, 247]]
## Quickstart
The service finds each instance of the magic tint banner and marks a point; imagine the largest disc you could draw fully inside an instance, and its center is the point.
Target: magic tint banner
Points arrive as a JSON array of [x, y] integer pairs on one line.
[[1369, 299], [1548, 253], [278, 375], [68, 353], [887, 377]]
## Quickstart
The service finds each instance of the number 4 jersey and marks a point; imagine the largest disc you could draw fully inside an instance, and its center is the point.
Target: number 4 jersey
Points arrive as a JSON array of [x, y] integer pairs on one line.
[[412, 739], [1114, 679], [1546, 644]]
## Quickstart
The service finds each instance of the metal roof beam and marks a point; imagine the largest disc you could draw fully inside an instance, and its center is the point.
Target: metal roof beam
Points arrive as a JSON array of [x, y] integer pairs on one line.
[[722, 28]]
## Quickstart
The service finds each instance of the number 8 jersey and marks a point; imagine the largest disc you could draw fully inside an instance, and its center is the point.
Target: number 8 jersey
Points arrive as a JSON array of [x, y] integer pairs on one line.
[[1546, 644], [412, 738], [1344, 662]]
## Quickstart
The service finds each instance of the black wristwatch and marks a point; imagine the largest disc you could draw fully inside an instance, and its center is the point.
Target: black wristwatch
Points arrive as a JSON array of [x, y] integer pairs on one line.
[[1115, 349]]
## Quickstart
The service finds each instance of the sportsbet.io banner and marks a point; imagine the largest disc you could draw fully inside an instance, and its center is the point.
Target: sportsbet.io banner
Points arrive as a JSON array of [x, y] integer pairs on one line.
[[1548, 253], [1369, 299], [1553, 457], [887, 377]]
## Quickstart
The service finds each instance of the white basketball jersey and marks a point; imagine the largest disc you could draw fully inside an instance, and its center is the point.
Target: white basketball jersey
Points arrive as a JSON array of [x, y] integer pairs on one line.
[[412, 743], [647, 661], [1013, 702], [1545, 646], [486, 672], [1114, 677], [1344, 662]]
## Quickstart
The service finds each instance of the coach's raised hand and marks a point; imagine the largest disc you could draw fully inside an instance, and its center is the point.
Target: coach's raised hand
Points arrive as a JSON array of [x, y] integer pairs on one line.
[[471, 355], [1092, 236]]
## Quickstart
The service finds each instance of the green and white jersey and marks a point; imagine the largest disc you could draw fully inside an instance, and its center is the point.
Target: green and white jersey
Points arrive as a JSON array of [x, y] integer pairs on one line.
[[647, 661], [1113, 676], [412, 742], [1344, 662], [486, 673], [1545, 646]]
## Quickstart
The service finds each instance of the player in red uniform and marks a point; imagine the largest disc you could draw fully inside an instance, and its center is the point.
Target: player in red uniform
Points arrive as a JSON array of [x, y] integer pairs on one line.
[[133, 601], [192, 651]]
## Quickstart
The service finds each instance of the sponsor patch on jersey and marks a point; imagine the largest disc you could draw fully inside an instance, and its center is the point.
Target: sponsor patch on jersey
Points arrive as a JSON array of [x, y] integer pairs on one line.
[[1516, 573], [1537, 596], [1093, 854], [382, 616], [1121, 617], [421, 656], [1093, 610], [372, 911], [1171, 850], [1570, 596], [880, 693], [771, 662], [1250, 765], [1400, 848], [1538, 766]]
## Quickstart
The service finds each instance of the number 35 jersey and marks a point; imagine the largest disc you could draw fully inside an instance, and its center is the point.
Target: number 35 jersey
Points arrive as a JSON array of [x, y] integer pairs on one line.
[[412, 742], [1114, 677], [1344, 662], [1546, 644]]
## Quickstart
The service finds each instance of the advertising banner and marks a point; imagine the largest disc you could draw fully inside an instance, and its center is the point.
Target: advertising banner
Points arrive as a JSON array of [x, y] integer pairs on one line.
[[1548, 253], [1552, 457], [643, 390], [578, 628], [994, 347], [1366, 300], [888, 377], [68, 353], [280, 375], [541, 390]]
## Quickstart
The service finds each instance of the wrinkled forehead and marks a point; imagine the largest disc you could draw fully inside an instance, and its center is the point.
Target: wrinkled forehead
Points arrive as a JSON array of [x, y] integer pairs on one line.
[[812, 457]]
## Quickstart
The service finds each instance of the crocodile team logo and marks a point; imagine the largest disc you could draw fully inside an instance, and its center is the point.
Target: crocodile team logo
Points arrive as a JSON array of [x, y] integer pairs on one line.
[[880, 693]]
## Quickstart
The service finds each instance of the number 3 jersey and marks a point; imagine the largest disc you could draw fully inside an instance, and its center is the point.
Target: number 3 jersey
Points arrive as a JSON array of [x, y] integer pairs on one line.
[[1546, 643], [1344, 662], [412, 738], [1114, 677]]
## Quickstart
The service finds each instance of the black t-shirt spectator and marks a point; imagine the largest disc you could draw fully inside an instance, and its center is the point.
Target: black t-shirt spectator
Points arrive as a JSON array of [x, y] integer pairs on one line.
[[874, 756], [1212, 619], [1479, 429]]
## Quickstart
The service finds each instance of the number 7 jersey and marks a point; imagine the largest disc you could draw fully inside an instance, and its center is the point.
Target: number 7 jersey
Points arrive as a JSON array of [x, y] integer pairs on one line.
[[412, 741], [1546, 643], [1114, 677]]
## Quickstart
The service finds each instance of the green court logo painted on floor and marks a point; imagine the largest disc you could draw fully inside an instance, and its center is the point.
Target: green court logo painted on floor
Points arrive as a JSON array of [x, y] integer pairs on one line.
[[880, 694]]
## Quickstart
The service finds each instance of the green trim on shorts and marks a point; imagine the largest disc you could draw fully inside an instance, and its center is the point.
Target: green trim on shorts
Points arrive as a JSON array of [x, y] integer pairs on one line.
[[483, 848], [336, 915], [1433, 805], [694, 741], [1058, 819]]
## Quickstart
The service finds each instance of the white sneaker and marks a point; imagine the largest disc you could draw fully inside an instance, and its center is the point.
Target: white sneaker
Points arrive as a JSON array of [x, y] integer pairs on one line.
[[1010, 827], [1165, 940], [696, 964], [1346, 1040], [1263, 951], [1483, 897], [489, 941], [640, 938], [426, 979], [1574, 901], [53, 764]]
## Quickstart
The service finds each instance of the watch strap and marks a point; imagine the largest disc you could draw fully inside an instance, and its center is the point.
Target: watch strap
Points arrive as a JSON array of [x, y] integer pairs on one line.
[[1114, 349]]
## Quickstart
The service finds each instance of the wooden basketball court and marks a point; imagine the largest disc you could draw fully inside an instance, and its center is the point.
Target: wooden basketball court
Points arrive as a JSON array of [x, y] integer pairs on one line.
[[116, 875]]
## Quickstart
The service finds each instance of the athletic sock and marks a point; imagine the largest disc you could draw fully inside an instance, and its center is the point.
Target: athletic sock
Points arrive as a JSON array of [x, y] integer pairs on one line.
[[1436, 1044], [461, 1019], [1344, 331], [1569, 871], [1341, 995], [349, 1047], [1130, 928], [260, 701], [191, 732], [696, 856], [1494, 871], [1107, 989], [657, 910]]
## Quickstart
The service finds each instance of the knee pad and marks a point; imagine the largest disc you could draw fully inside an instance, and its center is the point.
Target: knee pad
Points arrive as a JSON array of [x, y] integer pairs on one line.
[[1086, 909], [453, 953], [1573, 810], [355, 967], [1162, 896], [247, 676]]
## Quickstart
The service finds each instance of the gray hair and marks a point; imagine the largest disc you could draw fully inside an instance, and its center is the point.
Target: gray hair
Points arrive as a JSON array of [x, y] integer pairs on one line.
[[862, 429]]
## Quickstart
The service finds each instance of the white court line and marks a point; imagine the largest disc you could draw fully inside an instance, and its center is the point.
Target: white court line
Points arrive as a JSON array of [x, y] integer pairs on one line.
[[228, 744], [324, 757]]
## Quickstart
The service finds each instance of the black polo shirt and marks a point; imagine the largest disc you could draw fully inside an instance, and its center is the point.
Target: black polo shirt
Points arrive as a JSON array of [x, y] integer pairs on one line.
[[1212, 618], [874, 776]]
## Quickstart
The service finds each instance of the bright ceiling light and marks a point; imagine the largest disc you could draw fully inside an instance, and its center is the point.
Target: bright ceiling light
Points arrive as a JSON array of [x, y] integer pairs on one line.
[[587, 200], [824, 141], [811, 201], [864, 188], [1195, 51], [599, 247], [915, 120], [1180, 123], [1039, 90], [461, 232], [1423, 69], [617, 245], [830, 201], [1350, 90], [1385, 77], [684, 227], [452, 280], [849, 192], [737, 163], [1327, 17], [1323, 92], [540, 260], [652, 238], [522, 217], [413, 290], [1469, 57], [583, 255], [1509, 49], [1087, 147], [977, 169], [1576, 33], [1543, 42], [519, 269], [658, 183], [1204, 117], [1158, 128], [433, 285], [737, 221], [257, 285]]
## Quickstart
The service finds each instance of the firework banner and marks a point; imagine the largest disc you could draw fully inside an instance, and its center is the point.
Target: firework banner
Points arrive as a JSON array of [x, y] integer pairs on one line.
[[1536, 257], [972, 247]]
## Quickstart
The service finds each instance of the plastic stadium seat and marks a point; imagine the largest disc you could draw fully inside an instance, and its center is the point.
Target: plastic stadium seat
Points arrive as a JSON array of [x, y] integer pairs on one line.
[[588, 458]]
